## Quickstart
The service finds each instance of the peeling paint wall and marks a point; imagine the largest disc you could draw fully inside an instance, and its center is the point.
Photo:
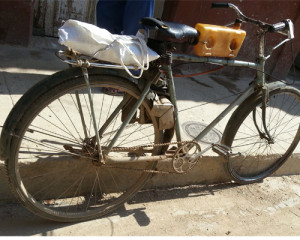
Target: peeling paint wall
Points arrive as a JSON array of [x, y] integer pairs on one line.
[[49, 14]]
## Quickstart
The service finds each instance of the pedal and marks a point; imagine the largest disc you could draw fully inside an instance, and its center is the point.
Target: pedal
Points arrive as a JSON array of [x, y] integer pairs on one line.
[[222, 149]]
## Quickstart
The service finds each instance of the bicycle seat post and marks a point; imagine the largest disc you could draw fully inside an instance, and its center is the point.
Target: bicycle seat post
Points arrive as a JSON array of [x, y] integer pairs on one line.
[[167, 68]]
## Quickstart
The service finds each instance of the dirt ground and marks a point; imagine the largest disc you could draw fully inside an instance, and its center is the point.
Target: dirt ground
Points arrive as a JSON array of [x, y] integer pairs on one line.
[[270, 208]]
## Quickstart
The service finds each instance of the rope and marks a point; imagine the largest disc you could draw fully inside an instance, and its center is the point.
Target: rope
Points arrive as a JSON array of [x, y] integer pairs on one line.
[[144, 53]]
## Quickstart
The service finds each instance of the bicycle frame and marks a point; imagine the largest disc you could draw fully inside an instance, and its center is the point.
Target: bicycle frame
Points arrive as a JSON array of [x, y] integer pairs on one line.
[[236, 102], [258, 83], [171, 86]]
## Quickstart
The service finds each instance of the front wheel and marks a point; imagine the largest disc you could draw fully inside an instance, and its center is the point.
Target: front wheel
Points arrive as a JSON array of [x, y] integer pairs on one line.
[[254, 155], [51, 164]]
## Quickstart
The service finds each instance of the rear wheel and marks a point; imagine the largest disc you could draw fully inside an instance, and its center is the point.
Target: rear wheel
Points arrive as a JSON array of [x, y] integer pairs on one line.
[[254, 155], [52, 167]]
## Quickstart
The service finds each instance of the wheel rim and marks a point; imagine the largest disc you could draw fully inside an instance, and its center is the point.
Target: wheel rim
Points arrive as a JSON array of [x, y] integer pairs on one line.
[[60, 184], [258, 157]]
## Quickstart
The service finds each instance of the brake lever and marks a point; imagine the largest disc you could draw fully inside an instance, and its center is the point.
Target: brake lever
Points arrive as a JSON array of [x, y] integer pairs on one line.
[[291, 31]]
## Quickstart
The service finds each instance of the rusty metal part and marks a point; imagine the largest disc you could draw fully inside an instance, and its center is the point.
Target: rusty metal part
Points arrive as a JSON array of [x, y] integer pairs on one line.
[[110, 162], [184, 159], [151, 145], [169, 155]]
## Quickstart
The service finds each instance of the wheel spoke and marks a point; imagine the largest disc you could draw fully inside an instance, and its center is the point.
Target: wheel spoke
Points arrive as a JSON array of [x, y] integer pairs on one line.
[[259, 156], [57, 170]]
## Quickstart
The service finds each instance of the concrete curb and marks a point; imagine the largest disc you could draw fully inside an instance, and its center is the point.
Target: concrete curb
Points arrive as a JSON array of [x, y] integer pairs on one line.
[[209, 170]]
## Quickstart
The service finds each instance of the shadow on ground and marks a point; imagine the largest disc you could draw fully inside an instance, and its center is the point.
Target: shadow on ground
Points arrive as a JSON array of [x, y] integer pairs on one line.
[[16, 220]]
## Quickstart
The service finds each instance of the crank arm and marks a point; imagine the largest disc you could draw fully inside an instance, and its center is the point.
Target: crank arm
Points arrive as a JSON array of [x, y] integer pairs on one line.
[[201, 153]]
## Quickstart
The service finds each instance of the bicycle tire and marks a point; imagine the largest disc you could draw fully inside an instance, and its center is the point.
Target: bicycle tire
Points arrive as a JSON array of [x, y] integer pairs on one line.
[[254, 157], [61, 185]]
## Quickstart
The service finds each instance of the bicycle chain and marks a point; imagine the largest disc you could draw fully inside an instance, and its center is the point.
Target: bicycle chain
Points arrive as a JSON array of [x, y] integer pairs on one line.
[[152, 145], [143, 146], [139, 170]]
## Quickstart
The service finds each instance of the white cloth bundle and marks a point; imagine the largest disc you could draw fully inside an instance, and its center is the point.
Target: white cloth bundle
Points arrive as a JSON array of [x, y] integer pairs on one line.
[[99, 43]]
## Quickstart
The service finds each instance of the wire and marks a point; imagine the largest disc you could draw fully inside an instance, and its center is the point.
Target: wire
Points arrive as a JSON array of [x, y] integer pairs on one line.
[[197, 74], [212, 101]]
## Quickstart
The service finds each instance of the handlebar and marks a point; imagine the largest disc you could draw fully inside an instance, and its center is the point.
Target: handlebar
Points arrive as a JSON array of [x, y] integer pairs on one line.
[[279, 26], [219, 5], [284, 25]]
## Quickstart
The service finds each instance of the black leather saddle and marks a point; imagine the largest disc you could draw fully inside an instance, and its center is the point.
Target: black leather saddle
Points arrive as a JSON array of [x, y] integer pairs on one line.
[[174, 32]]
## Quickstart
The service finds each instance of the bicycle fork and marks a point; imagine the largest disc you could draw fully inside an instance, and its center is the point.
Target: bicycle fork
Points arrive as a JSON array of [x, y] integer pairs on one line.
[[261, 81], [265, 100]]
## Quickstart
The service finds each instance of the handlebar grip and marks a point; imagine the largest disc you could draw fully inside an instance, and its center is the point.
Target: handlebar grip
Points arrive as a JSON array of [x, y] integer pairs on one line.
[[219, 5], [279, 26]]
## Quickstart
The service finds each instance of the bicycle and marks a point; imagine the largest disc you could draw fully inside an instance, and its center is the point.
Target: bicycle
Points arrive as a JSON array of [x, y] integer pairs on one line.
[[73, 153]]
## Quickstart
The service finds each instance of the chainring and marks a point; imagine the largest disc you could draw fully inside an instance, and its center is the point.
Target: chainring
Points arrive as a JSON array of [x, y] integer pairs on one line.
[[184, 160]]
